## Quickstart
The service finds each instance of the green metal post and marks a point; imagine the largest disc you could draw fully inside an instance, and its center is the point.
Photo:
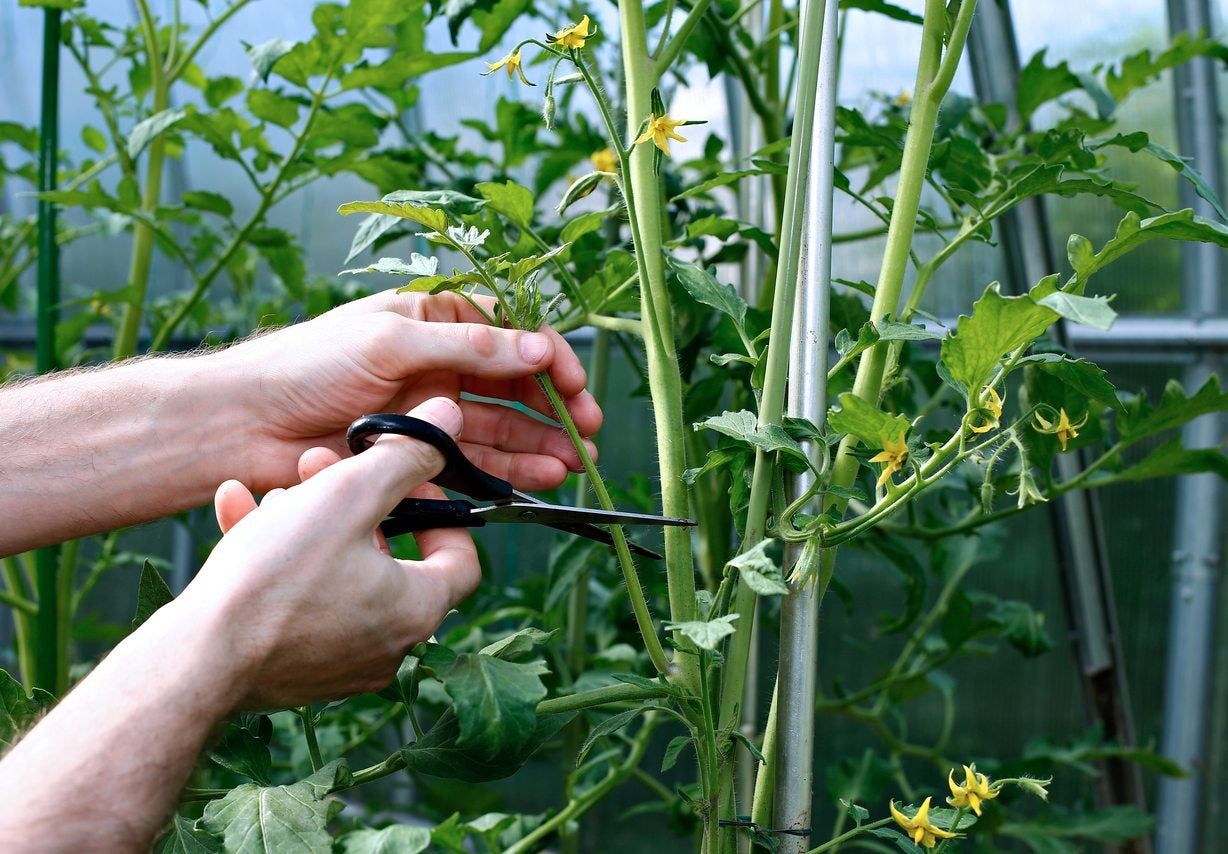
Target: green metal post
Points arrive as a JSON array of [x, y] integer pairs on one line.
[[48, 670]]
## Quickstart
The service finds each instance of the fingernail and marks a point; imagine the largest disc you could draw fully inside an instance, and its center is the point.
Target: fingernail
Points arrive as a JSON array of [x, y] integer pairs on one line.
[[533, 346], [441, 412]]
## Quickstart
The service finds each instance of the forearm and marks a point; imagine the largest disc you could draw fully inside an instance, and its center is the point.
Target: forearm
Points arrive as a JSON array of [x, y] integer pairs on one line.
[[103, 769], [96, 450]]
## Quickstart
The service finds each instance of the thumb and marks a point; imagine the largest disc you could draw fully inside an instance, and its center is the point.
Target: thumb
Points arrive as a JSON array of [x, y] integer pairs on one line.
[[395, 465]]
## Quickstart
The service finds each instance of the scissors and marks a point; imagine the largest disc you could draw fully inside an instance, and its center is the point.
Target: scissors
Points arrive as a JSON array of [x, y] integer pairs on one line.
[[507, 504]]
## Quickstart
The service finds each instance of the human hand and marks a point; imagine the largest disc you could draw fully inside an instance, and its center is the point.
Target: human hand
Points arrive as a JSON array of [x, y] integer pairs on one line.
[[303, 385], [305, 598]]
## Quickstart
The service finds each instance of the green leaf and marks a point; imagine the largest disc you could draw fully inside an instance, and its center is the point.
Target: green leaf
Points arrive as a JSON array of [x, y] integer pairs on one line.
[[1140, 141], [376, 225], [889, 330], [759, 571], [672, 750], [1023, 627], [398, 69], [882, 7], [437, 753], [432, 218], [1088, 311], [1086, 378], [397, 839], [518, 643], [1039, 83], [1173, 458], [1141, 68], [705, 634], [152, 593], [704, 288], [609, 726], [244, 747], [857, 813], [145, 131], [584, 224], [1173, 410], [265, 55], [997, 326], [510, 199], [18, 710], [417, 265], [864, 421], [1133, 232], [269, 106], [254, 819], [94, 138], [742, 426], [495, 701], [219, 90], [185, 837], [203, 200]]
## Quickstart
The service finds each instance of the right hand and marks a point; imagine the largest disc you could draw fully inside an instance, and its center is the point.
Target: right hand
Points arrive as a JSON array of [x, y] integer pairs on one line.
[[301, 595]]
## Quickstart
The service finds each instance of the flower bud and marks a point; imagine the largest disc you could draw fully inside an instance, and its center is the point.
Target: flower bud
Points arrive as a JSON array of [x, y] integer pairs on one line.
[[579, 188]]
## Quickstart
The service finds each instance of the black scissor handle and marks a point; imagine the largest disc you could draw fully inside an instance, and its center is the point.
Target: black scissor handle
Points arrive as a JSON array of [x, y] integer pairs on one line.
[[458, 473]]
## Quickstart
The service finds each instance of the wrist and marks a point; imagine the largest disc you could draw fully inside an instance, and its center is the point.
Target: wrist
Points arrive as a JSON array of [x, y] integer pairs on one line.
[[202, 660]]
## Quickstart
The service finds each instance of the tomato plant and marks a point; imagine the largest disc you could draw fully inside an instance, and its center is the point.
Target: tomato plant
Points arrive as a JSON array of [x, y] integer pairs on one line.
[[589, 216]]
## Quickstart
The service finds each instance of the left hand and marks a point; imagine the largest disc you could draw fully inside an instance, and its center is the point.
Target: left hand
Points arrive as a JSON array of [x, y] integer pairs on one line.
[[388, 353]]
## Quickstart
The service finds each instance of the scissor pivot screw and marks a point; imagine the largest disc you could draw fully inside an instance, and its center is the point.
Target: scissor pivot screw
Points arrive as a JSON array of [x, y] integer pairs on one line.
[[528, 514]]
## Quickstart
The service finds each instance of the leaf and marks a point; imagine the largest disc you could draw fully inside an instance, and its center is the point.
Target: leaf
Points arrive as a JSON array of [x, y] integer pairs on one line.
[[254, 819], [1173, 410], [145, 131], [417, 265], [1132, 232], [495, 701], [759, 571], [18, 710], [432, 218], [1088, 311], [377, 225], [518, 643], [1039, 83], [401, 67], [672, 750], [857, 813], [569, 561], [584, 224], [704, 288], [437, 753], [152, 593], [203, 200], [882, 7], [265, 55], [1023, 627], [889, 330], [244, 747], [743, 427], [269, 106], [510, 199], [185, 837], [1140, 141], [1086, 378], [609, 726], [1141, 68], [997, 326], [864, 421], [397, 839], [1173, 458], [705, 634]]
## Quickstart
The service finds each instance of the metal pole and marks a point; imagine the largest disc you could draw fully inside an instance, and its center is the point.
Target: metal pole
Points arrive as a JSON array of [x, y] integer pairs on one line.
[[47, 670], [799, 613], [1197, 531], [1077, 530]]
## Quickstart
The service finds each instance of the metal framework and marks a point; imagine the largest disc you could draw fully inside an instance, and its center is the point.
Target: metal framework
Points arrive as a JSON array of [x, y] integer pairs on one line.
[[808, 351], [1078, 535], [1197, 531]]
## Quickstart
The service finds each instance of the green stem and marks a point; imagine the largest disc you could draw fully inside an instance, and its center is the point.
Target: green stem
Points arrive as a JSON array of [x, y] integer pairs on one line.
[[143, 235], [22, 621], [619, 693], [642, 192], [309, 733], [635, 590], [845, 837], [667, 55]]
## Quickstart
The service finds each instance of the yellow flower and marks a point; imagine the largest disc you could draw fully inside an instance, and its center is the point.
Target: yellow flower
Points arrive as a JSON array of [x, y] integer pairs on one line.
[[1064, 430], [919, 828], [512, 62], [990, 403], [661, 131], [605, 160], [894, 454], [903, 99], [974, 790], [573, 36]]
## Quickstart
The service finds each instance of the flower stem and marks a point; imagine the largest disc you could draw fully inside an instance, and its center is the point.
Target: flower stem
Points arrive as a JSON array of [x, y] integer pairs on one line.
[[309, 733]]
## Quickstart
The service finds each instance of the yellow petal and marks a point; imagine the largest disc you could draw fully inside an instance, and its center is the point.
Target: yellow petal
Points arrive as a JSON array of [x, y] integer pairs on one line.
[[956, 791], [975, 803], [900, 819], [923, 812]]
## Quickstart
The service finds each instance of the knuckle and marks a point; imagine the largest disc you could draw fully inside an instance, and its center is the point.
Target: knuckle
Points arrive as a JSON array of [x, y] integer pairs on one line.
[[479, 339]]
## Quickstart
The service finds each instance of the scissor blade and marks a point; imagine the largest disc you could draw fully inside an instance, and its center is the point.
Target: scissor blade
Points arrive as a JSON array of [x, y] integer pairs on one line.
[[558, 514], [601, 535]]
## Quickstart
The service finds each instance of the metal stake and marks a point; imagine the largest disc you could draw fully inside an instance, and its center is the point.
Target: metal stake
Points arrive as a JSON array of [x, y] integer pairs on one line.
[[799, 615], [1197, 530], [1078, 533]]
